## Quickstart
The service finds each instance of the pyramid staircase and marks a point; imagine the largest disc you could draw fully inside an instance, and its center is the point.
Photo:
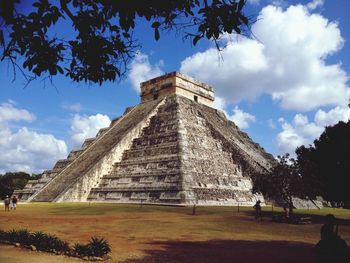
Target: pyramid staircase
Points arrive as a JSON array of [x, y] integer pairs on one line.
[[150, 169]]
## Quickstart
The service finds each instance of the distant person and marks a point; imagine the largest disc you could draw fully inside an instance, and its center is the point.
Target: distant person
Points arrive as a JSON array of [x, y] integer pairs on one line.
[[332, 248], [286, 213], [7, 203], [14, 202], [257, 208]]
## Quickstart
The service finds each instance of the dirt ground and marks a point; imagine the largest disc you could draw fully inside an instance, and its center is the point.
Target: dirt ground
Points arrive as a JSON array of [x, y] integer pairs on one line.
[[170, 234]]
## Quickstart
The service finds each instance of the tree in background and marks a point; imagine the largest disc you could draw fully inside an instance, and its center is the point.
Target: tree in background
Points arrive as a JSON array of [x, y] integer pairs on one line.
[[102, 41], [327, 163], [281, 183], [13, 181]]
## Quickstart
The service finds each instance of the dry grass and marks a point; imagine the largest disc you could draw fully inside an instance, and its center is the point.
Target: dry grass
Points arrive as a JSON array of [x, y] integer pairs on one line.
[[156, 233]]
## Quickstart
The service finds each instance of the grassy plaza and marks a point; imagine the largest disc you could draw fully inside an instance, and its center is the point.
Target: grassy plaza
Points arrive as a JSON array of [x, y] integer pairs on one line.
[[170, 233]]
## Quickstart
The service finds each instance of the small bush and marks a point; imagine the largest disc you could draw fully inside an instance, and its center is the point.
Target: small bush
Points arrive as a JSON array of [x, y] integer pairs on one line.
[[3, 235], [99, 247], [24, 237], [12, 236], [47, 242], [39, 241], [54, 243], [16, 236], [81, 250]]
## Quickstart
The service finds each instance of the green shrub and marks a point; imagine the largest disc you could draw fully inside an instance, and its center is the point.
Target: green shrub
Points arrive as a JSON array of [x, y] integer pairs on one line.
[[99, 247], [39, 241], [24, 237], [3, 235], [12, 236], [47, 242], [81, 250], [54, 243]]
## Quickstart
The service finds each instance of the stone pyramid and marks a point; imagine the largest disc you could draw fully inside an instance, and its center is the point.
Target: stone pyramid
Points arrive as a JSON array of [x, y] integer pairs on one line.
[[172, 148]]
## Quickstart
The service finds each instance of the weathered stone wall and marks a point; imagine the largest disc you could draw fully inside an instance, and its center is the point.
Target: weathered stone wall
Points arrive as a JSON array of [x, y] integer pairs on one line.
[[247, 153], [208, 168], [189, 87], [177, 83]]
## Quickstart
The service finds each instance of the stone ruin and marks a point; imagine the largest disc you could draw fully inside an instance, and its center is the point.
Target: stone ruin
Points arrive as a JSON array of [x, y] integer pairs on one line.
[[172, 148]]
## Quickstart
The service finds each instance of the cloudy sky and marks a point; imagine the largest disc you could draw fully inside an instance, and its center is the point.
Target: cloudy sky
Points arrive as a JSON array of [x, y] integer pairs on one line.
[[282, 86]]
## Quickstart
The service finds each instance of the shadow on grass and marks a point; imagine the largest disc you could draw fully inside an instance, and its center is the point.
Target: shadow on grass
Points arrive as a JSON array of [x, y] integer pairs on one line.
[[231, 251], [315, 219]]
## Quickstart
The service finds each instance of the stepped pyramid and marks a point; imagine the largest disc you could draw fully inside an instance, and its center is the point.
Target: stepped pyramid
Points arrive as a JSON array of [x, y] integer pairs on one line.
[[172, 148]]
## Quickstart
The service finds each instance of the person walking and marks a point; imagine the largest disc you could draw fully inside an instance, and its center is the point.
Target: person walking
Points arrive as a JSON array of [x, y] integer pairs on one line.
[[14, 202], [257, 208], [7, 203]]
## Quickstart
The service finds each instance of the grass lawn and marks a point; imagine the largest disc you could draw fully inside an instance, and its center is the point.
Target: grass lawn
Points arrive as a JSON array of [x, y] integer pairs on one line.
[[171, 234]]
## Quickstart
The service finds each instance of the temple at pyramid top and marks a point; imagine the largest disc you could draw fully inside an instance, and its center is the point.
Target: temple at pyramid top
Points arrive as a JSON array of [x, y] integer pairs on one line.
[[177, 83]]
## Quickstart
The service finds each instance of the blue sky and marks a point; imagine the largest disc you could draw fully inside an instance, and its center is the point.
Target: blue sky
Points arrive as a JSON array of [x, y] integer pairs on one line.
[[282, 86]]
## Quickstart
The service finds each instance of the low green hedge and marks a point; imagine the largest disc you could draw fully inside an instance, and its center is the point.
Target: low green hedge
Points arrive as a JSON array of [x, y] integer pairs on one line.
[[97, 247]]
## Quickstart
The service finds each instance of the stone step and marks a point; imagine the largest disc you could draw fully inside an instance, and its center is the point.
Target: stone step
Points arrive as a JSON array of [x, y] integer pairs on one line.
[[62, 163], [149, 159], [146, 168], [102, 131], [159, 128], [168, 187], [151, 147], [144, 178], [24, 191], [87, 143], [155, 139], [158, 172], [114, 121], [74, 154], [164, 134], [171, 148]]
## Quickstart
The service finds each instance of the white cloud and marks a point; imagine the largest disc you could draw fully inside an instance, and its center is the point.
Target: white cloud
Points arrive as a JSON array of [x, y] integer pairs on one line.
[[26, 150], [75, 107], [315, 4], [271, 124], [286, 61], [332, 117], [220, 103], [9, 112], [241, 119], [299, 132], [289, 139], [83, 127], [303, 132], [141, 70]]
